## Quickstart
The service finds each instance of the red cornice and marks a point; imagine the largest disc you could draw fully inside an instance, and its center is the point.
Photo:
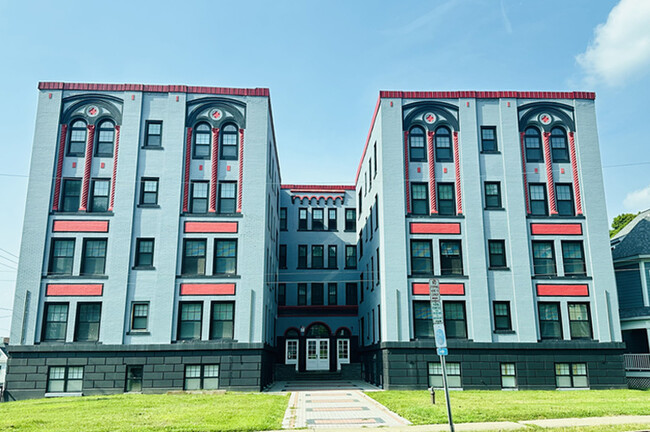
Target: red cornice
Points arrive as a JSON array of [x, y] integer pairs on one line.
[[317, 188], [486, 94], [154, 88]]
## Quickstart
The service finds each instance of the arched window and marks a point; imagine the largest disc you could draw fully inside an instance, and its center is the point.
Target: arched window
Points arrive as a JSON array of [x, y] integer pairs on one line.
[[317, 331], [202, 138], [229, 142], [105, 138], [343, 332], [559, 147], [291, 333], [416, 145], [443, 145], [533, 144], [77, 142]]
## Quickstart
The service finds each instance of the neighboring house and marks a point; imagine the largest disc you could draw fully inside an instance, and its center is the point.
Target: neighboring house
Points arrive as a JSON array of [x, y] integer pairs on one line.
[[3, 368], [631, 253], [161, 252]]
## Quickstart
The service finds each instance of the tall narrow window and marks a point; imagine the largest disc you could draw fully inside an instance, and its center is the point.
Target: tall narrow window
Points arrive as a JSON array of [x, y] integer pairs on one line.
[[190, 316], [302, 219], [488, 139], [508, 375], [378, 272], [332, 257], [55, 324], [134, 378], [443, 145], [227, 197], [140, 317], [350, 257], [455, 322], [153, 133], [376, 160], [199, 202], [282, 294], [149, 191], [416, 145], [105, 139], [419, 198], [223, 320], [77, 141], [283, 257], [193, 257], [421, 259], [502, 320], [317, 256], [332, 294], [533, 145], [497, 251], [422, 324], [350, 220], [99, 196], [317, 219], [446, 204], [492, 195], [351, 294], [331, 219], [93, 261], [202, 141], [70, 196], [317, 295], [376, 212], [61, 257], [88, 317], [225, 257], [229, 142], [564, 196], [573, 258], [283, 218], [543, 258], [559, 148], [579, 321], [302, 256], [144, 252], [550, 324], [538, 203], [451, 259], [302, 294]]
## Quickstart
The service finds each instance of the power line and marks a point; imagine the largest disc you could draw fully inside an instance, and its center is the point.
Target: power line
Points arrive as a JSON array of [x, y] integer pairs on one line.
[[7, 252]]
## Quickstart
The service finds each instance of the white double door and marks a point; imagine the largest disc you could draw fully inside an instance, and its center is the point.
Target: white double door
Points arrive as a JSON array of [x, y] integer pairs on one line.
[[318, 354]]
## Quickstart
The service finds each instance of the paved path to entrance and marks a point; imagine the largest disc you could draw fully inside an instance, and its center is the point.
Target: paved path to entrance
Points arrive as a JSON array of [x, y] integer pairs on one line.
[[334, 404]]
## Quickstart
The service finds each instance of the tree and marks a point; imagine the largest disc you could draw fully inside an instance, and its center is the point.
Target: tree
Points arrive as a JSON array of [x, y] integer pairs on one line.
[[620, 221]]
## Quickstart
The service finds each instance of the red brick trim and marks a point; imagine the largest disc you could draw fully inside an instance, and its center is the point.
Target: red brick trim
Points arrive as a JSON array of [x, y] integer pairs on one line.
[[188, 161], [208, 289], [154, 88], [79, 226], [486, 95], [87, 168], [114, 178], [445, 288], [214, 170], [563, 290], [74, 289], [434, 228], [555, 229], [211, 227]]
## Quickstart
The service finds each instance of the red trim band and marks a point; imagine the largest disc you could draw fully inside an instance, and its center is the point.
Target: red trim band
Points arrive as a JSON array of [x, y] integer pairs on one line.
[[207, 289], [433, 206], [318, 188], [210, 227], [79, 226], [59, 167], [406, 170], [214, 170], [188, 160], [550, 184], [555, 229], [445, 289], [523, 165], [459, 198], [117, 148], [74, 289], [154, 88], [563, 290], [87, 168], [486, 94], [434, 228], [574, 168], [240, 191]]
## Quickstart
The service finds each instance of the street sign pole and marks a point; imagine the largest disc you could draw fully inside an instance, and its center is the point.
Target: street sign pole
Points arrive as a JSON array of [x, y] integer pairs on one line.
[[440, 339]]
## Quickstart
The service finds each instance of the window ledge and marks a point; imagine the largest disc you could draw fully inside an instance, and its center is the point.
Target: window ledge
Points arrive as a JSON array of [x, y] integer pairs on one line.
[[212, 215], [82, 213], [431, 275], [434, 216], [504, 332], [499, 268], [530, 216], [76, 277], [349, 268], [494, 209], [138, 333], [62, 394], [145, 147], [554, 277], [148, 206], [490, 152], [215, 276], [143, 268]]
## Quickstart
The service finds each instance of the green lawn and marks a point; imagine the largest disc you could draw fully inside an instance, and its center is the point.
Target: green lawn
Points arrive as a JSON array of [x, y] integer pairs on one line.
[[487, 406], [130, 412], [607, 428]]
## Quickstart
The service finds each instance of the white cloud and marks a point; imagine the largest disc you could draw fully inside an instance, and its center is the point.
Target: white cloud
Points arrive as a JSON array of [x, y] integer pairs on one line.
[[638, 200], [506, 20], [621, 46]]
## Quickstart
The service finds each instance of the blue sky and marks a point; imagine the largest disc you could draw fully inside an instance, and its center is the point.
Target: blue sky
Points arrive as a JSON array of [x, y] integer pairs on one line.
[[325, 63]]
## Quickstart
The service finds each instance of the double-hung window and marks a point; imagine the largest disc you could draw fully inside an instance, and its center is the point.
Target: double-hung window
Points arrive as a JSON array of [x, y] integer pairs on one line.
[[422, 324], [144, 252], [550, 321], [453, 375], [538, 203], [350, 257], [332, 294], [302, 256], [331, 219], [61, 257], [202, 141], [229, 142], [488, 139], [564, 196], [497, 253], [199, 201], [455, 321], [317, 294], [351, 294], [573, 258], [190, 316], [570, 375], [446, 205], [502, 320], [543, 258], [227, 197], [62, 379], [302, 219], [71, 193], [350, 220], [139, 317], [55, 323], [283, 256], [93, 260], [533, 145], [99, 195], [223, 320], [332, 255], [201, 377], [105, 138], [559, 148], [153, 133], [419, 198], [443, 145], [579, 321], [421, 258], [283, 218], [492, 195], [508, 375], [317, 219], [194, 253], [416, 145], [134, 378], [149, 191], [225, 257], [88, 318], [302, 294], [77, 140], [317, 256], [451, 259], [282, 294]]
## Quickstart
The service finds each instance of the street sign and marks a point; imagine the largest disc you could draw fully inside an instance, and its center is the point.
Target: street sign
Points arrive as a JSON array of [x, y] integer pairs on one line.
[[442, 351], [436, 301], [441, 338]]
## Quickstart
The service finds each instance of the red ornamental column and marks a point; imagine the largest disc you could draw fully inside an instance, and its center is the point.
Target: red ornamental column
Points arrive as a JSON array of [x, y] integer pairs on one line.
[[432, 174], [574, 168], [523, 164], [459, 198], [113, 179], [59, 167], [406, 172], [214, 170], [186, 181], [241, 170], [87, 168], [550, 185]]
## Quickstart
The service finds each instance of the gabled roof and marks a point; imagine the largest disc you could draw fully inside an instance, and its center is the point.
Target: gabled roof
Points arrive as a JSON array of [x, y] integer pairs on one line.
[[634, 239]]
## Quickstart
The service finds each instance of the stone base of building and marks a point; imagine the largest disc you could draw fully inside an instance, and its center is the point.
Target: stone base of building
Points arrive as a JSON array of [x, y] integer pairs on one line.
[[242, 366], [405, 366]]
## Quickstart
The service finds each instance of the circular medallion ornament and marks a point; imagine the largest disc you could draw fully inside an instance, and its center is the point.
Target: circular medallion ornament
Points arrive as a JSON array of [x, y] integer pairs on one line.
[[430, 118], [216, 114], [92, 111], [545, 119]]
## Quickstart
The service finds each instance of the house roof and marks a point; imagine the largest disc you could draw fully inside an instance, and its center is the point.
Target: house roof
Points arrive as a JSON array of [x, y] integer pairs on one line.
[[634, 239]]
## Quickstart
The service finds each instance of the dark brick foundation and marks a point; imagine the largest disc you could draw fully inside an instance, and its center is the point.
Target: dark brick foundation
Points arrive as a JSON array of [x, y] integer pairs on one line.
[[405, 365], [245, 367]]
